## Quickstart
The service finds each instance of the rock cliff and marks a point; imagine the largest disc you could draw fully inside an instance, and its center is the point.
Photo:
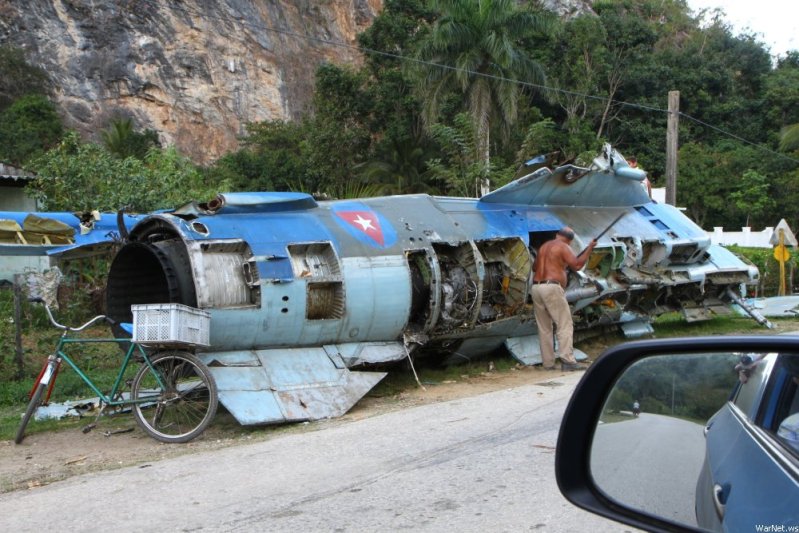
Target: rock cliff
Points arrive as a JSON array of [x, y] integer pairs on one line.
[[196, 71]]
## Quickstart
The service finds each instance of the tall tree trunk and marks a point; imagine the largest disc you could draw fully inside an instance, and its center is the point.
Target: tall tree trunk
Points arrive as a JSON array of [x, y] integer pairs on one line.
[[485, 184]]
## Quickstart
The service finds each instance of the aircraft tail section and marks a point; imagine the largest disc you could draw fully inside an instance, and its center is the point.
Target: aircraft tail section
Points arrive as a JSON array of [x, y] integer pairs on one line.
[[608, 182]]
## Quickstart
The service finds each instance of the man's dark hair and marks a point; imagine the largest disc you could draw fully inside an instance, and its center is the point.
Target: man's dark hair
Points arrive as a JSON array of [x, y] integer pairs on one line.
[[563, 232]]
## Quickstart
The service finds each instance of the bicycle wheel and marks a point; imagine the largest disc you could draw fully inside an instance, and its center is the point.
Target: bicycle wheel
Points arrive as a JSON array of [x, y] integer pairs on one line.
[[36, 399], [176, 400]]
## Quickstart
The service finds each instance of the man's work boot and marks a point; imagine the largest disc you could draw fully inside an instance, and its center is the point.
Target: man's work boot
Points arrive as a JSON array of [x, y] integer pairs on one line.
[[570, 367]]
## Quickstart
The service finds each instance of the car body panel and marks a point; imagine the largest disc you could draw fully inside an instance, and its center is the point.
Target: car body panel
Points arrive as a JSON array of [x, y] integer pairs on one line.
[[740, 456], [766, 488], [756, 488]]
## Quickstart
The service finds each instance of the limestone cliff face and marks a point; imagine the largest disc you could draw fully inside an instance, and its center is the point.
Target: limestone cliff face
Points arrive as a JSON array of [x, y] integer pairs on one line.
[[196, 71]]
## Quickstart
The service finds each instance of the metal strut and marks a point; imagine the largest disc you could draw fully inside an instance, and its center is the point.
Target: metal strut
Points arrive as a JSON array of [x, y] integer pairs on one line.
[[754, 313]]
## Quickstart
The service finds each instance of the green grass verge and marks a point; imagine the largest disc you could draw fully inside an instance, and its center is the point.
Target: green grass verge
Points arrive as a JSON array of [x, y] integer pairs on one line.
[[674, 325], [103, 367]]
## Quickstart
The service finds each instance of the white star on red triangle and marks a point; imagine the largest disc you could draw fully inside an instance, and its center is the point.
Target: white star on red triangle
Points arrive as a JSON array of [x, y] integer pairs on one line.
[[365, 223]]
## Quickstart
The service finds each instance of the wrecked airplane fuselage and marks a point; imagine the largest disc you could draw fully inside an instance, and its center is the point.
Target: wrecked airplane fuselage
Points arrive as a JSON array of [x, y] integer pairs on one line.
[[301, 291]]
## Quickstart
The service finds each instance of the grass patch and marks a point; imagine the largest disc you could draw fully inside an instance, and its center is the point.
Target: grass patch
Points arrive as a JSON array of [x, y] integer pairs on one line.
[[99, 361], [10, 418], [674, 325], [608, 417], [401, 378]]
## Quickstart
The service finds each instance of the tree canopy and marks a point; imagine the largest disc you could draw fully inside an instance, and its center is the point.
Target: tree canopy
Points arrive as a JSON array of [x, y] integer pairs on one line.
[[78, 176], [475, 50], [455, 91]]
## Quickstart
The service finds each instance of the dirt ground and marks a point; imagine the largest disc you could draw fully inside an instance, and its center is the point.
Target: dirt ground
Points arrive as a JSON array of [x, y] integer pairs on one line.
[[117, 441]]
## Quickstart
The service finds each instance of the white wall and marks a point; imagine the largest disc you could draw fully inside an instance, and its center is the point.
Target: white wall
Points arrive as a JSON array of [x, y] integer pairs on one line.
[[15, 199], [745, 237]]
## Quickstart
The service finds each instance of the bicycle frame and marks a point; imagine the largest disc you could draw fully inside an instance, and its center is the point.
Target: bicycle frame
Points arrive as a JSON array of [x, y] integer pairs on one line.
[[133, 350], [176, 383]]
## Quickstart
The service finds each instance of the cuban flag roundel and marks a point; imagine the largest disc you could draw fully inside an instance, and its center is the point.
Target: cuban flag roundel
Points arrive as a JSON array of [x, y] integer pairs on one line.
[[366, 225]]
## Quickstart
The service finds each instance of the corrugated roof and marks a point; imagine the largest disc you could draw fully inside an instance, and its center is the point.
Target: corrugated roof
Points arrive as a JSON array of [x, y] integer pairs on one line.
[[8, 172]]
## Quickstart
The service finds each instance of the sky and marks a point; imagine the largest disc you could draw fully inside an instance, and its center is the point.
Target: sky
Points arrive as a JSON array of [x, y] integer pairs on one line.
[[776, 21]]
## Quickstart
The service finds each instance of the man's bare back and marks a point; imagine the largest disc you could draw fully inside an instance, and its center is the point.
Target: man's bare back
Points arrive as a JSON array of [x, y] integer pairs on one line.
[[555, 256]]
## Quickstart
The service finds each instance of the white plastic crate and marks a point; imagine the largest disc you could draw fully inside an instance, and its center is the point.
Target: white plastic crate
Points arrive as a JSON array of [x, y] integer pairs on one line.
[[167, 324]]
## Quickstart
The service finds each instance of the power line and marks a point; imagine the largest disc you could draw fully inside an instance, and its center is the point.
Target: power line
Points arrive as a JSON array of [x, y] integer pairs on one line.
[[367, 50]]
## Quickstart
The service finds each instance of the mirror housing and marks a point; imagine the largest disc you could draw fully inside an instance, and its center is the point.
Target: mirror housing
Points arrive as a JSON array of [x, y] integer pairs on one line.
[[582, 416]]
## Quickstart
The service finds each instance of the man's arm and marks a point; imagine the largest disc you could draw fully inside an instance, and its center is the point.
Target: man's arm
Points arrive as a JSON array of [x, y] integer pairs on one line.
[[576, 262]]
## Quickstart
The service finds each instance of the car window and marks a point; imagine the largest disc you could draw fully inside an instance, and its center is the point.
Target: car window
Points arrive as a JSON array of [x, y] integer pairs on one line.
[[786, 413], [768, 394], [752, 375]]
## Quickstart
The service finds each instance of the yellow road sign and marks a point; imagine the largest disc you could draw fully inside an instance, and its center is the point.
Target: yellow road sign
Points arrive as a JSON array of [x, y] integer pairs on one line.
[[781, 253]]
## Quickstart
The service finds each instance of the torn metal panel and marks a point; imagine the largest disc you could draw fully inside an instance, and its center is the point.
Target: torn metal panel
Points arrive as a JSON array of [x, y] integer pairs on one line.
[[777, 306], [573, 186], [78, 408], [223, 273], [365, 353], [286, 385], [527, 350], [251, 407], [637, 328], [38, 241]]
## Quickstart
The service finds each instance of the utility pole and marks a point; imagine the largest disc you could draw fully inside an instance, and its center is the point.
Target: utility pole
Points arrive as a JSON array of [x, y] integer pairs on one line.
[[19, 353], [671, 147]]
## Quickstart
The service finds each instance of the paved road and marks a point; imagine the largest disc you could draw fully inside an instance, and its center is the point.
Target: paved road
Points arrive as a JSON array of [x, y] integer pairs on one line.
[[651, 463], [477, 464]]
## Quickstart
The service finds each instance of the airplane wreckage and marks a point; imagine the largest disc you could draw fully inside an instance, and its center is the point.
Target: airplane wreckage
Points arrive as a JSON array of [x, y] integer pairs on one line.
[[308, 299]]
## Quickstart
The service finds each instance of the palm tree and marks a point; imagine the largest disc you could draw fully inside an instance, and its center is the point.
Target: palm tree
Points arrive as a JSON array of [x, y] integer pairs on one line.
[[122, 140], [789, 138], [399, 166], [117, 136], [474, 49]]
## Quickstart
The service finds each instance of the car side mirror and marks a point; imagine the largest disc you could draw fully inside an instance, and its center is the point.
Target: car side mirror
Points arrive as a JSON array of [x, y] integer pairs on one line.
[[710, 408]]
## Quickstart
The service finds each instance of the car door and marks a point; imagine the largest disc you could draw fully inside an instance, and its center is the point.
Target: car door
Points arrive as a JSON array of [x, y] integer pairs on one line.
[[750, 478]]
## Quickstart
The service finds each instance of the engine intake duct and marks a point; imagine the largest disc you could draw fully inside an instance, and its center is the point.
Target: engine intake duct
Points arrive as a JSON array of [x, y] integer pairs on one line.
[[148, 273]]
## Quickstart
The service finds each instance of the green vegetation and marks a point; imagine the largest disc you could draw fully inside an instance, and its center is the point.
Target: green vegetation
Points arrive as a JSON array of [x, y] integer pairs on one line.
[[29, 122], [30, 126], [674, 325], [77, 176], [123, 141], [483, 42], [769, 267], [19, 78], [688, 386], [452, 94], [100, 360]]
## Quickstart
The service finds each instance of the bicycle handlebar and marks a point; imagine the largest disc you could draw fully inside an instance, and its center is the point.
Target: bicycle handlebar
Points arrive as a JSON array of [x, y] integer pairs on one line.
[[94, 320]]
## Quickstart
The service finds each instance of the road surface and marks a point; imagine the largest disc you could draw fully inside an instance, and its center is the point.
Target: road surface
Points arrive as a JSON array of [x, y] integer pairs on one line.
[[650, 463], [483, 463]]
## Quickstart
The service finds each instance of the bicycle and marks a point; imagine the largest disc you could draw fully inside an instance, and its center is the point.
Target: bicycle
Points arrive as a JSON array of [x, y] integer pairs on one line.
[[172, 395]]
